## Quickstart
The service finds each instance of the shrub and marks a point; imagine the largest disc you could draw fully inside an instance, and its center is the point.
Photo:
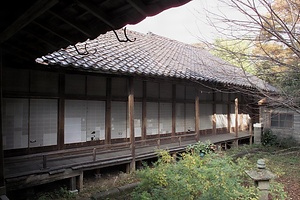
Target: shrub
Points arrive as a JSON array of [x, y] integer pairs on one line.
[[192, 177], [268, 138]]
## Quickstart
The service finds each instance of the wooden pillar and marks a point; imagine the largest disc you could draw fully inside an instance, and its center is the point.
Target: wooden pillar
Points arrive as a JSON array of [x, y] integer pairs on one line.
[[108, 112], [173, 111], [197, 116], [80, 182], [131, 121], [214, 117], [61, 112], [236, 110], [2, 180], [228, 114], [144, 111]]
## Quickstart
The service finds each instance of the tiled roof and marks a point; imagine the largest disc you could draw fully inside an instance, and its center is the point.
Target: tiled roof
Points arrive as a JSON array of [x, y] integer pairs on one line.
[[151, 55]]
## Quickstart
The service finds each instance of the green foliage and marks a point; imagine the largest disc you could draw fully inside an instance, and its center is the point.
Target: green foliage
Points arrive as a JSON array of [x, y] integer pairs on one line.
[[201, 147], [61, 193], [192, 177], [268, 138]]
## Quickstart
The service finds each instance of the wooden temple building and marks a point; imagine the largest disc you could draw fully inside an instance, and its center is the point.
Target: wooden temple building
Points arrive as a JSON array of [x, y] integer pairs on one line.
[[105, 102]]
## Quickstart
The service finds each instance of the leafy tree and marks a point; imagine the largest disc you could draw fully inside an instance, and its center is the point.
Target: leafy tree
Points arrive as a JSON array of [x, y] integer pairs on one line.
[[271, 30]]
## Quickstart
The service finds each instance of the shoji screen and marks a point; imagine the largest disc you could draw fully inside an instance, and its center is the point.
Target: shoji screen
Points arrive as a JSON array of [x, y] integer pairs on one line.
[[221, 116], [206, 112], [138, 119], [15, 123], [165, 118], [190, 117], [119, 120], [43, 122], [152, 118], [179, 117]]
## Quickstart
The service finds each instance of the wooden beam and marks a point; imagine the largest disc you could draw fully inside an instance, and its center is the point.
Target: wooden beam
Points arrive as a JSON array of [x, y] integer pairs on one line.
[[173, 111], [139, 6], [236, 110], [93, 9], [197, 116], [228, 114], [72, 23], [144, 111], [50, 30], [131, 121], [31, 14], [214, 117], [61, 113], [108, 112], [2, 180]]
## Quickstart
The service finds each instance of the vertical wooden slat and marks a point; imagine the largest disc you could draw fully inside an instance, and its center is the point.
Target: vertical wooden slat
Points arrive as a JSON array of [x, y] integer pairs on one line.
[[228, 114], [2, 181], [197, 116], [214, 118], [61, 112], [236, 110], [131, 121], [108, 112], [144, 111], [173, 111]]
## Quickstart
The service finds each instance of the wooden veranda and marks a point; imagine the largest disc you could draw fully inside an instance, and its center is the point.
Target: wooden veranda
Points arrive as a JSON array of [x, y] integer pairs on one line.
[[36, 169]]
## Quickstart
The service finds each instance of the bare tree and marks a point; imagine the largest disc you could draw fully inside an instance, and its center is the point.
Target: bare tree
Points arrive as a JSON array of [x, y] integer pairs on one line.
[[270, 36]]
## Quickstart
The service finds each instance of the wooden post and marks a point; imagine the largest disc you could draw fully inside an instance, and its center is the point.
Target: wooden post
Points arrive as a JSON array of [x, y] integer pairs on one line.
[[214, 117], [144, 111], [2, 180], [236, 110], [173, 111], [197, 117], [251, 132], [131, 122], [61, 113], [228, 114], [73, 183], [80, 182], [108, 112], [94, 154]]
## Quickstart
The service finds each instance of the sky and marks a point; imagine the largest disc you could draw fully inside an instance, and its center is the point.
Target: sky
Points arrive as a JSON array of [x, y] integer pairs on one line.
[[187, 23]]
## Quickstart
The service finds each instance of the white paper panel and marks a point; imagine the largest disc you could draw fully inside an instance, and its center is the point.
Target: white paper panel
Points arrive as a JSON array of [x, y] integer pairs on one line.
[[190, 93], [119, 120], [165, 90], [43, 121], [15, 123], [152, 89], [138, 119], [138, 88], [180, 91], [75, 121], [119, 87], [179, 117], [190, 117], [96, 85], [75, 84], [10, 76], [95, 119], [165, 118], [221, 116], [152, 118], [44, 82], [206, 112]]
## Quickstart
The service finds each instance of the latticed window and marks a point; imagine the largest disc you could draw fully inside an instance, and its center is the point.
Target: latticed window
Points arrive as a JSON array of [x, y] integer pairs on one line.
[[282, 120]]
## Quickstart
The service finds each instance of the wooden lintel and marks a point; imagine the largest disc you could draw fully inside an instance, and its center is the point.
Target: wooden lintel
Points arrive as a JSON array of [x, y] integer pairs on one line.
[[31, 14], [90, 7], [139, 6], [72, 23]]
